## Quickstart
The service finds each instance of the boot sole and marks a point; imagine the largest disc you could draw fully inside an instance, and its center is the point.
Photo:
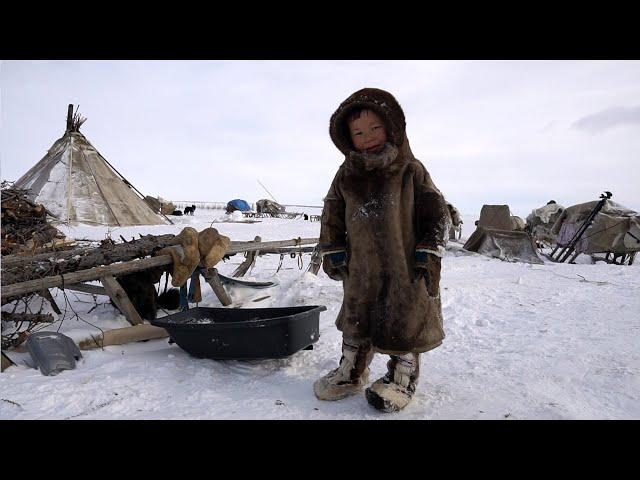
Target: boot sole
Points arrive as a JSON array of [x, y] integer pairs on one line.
[[379, 403], [336, 395]]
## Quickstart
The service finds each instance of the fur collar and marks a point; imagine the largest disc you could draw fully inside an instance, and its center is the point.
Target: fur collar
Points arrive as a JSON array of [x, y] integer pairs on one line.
[[373, 161]]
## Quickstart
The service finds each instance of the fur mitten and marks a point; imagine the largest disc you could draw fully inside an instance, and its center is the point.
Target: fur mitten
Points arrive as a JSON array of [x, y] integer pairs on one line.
[[428, 266]]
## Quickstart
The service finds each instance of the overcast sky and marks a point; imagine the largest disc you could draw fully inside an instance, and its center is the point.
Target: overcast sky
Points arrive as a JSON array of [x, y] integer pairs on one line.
[[514, 132]]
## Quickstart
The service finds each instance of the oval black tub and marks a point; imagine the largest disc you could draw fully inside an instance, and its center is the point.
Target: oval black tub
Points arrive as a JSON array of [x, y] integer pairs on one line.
[[244, 333]]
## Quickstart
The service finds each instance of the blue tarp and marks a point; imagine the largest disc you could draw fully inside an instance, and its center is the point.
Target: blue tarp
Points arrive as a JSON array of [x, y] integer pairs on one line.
[[239, 204]]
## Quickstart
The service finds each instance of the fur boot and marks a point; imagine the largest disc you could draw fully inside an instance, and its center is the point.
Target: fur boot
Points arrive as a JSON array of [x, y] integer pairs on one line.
[[395, 390], [352, 374]]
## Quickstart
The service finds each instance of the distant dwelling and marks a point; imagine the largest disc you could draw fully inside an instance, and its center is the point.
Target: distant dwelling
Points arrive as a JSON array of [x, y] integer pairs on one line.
[[614, 230], [498, 235], [238, 204], [78, 185], [269, 206], [541, 220]]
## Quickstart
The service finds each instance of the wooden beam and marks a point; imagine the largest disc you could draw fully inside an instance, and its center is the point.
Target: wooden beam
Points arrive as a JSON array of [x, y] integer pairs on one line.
[[27, 317], [72, 278], [249, 261], [6, 362], [121, 299], [86, 288], [120, 336], [69, 117], [46, 294], [20, 268], [212, 278]]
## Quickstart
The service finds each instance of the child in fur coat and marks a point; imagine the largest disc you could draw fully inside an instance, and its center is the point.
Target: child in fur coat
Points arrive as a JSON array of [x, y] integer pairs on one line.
[[383, 232]]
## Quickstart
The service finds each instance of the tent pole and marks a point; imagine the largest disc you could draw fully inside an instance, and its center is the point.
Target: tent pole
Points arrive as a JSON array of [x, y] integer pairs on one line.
[[69, 116]]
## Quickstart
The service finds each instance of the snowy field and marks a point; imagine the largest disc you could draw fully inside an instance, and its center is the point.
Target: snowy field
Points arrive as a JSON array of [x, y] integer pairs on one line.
[[550, 341]]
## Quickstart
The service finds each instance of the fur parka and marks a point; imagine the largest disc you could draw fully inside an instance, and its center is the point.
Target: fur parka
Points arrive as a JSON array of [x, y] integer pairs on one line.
[[380, 209]]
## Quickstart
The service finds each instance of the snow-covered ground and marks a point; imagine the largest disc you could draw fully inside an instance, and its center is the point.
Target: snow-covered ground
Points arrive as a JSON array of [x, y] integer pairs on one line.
[[550, 341]]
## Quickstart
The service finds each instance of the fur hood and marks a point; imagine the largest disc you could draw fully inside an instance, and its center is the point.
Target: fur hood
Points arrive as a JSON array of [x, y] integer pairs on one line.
[[381, 102], [385, 105]]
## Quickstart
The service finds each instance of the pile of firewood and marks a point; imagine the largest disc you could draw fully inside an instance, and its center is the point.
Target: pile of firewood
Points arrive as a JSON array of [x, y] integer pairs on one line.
[[25, 227]]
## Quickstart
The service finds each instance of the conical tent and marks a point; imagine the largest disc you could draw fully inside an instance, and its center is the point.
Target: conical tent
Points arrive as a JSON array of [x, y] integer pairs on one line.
[[78, 185]]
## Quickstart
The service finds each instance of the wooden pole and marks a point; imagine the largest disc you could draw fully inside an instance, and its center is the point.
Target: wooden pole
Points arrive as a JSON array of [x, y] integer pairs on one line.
[[96, 273], [212, 278], [86, 288], [69, 117], [46, 294], [249, 261], [120, 336], [121, 299], [85, 257], [27, 317]]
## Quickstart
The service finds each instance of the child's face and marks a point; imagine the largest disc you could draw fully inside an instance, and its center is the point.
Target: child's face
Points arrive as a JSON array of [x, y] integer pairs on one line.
[[368, 132]]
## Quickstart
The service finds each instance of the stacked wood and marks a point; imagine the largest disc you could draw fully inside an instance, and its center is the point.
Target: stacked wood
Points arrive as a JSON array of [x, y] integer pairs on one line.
[[24, 223], [77, 268], [17, 269]]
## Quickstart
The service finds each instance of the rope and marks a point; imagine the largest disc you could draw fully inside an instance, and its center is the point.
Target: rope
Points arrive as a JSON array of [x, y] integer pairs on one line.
[[603, 230]]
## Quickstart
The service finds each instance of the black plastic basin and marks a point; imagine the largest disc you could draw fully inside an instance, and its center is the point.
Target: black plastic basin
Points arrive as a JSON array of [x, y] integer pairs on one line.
[[244, 333]]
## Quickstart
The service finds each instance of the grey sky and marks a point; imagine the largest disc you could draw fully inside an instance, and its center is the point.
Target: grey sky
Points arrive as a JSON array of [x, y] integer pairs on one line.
[[515, 132], [611, 117]]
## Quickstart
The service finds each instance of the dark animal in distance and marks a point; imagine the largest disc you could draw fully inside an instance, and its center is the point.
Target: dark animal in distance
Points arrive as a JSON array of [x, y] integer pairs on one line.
[[190, 210], [177, 212]]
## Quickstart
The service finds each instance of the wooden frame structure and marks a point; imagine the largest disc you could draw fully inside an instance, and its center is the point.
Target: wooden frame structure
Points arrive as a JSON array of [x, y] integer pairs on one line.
[[76, 280]]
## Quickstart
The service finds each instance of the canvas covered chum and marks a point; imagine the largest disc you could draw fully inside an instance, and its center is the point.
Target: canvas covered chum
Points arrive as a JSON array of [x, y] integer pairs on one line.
[[80, 186], [497, 236], [602, 226]]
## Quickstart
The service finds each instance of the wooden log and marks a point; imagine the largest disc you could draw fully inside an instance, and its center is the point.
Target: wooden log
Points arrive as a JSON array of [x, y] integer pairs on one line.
[[46, 294], [212, 278], [13, 291], [286, 250], [249, 261], [6, 362], [121, 299], [120, 336], [86, 288], [237, 247], [27, 317], [17, 269], [69, 117]]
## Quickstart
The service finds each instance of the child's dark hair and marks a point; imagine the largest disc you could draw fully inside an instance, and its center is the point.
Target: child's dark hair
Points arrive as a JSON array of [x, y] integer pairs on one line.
[[355, 113]]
